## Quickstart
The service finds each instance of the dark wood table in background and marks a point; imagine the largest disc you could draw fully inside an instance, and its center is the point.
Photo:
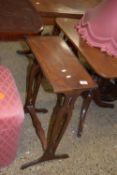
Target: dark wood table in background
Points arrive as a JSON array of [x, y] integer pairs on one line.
[[49, 10], [18, 19]]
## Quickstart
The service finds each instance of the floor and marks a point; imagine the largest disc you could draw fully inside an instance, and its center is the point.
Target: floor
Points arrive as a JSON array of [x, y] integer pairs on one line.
[[95, 153]]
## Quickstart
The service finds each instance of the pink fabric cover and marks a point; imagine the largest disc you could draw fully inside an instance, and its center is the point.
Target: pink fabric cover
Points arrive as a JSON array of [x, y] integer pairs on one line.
[[99, 26], [11, 117]]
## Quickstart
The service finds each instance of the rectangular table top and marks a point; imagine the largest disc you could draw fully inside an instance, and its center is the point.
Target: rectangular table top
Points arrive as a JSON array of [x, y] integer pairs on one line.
[[59, 65], [17, 19], [63, 8]]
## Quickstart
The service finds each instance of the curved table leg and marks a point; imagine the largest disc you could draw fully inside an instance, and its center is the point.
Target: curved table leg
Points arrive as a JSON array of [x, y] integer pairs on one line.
[[56, 30], [89, 96], [59, 121], [24, 52], [86, 102], [35, 78]]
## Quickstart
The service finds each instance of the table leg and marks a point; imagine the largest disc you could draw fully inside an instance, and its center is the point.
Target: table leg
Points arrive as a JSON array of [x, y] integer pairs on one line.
[[56, 30], [86, 102], [88, 97], [108, 90], [59, 121], [34, 82]]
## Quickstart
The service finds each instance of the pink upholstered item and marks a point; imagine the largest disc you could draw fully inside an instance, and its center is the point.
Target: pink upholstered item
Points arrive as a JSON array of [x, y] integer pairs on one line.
[[99, 26], [11, 117]]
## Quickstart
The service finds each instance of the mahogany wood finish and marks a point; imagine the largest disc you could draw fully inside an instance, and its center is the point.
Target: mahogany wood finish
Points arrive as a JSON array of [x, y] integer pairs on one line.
[[50, 10], [104, 65], [57, 63], [18, 19], [54, 56]]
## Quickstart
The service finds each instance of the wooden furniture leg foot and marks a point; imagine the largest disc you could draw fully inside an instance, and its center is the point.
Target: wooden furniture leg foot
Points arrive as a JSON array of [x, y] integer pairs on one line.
[[24, 52], [45, 157]]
